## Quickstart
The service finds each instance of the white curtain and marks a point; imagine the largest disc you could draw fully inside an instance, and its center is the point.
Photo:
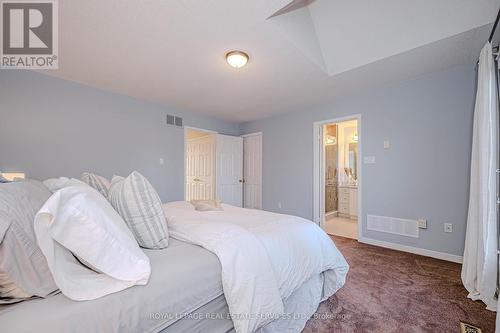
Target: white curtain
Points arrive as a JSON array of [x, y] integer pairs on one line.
[[479, 270]]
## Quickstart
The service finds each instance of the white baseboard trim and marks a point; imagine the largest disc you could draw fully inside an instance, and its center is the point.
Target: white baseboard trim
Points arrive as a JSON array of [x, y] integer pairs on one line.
[[411, 249]]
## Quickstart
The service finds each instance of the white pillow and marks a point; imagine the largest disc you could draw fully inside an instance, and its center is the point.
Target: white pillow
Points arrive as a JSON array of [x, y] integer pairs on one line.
[[55, 184], [79, 220]]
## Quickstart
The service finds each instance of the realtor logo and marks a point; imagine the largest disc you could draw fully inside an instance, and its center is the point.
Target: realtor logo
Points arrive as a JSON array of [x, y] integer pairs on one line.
[[29, 35]]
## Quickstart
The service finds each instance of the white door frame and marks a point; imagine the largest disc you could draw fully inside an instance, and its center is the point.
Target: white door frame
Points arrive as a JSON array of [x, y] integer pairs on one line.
[[261, 164], [186, 128], [319, 174]]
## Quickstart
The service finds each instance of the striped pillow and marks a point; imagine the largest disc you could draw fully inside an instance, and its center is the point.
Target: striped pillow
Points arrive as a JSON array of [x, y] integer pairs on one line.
[[135, 199], [99, 183]]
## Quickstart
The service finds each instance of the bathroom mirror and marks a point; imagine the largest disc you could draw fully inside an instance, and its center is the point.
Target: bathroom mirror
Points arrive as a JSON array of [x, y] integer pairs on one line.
[[352, 160]]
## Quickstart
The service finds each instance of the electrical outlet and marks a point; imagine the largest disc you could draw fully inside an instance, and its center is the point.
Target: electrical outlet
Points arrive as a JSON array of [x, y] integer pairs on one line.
[[422, 223], [387, 144], [448, 227]]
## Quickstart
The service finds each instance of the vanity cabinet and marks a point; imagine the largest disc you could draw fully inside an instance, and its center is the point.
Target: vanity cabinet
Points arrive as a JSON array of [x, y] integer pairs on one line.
[[344, 201], [348, 201], [353, 203]]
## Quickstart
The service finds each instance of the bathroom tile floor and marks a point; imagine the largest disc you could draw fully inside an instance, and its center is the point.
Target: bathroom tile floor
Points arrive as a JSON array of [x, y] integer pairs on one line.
[[341, 226]]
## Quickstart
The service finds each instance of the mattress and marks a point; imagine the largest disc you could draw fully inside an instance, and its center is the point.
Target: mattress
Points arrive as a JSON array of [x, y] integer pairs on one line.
[[184, 278], [211, 317], [184, 294], [214, 317]]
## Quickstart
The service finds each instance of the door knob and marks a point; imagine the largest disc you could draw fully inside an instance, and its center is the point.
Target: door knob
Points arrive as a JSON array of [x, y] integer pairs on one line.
[[242, 180]]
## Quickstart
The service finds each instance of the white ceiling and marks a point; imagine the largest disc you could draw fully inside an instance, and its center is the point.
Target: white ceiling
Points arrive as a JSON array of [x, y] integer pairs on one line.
[[172, 52]]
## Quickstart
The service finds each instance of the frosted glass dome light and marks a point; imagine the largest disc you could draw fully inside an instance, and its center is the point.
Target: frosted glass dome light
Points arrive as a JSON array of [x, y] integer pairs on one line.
[[237, 59]]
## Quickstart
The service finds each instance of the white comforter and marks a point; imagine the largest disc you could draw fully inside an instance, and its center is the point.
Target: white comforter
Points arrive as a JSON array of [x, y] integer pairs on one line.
[[264, 256]]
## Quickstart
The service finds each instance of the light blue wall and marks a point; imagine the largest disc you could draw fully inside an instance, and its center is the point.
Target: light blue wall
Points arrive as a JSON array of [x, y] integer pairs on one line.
[[425, 174], [50, 127]]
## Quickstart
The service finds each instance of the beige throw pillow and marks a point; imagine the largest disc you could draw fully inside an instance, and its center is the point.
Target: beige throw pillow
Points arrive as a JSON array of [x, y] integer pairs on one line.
[[206, 205]]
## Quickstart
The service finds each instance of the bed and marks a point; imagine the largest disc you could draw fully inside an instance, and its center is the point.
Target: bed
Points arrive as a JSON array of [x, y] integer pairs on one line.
[[184, 278], [184, 296], [185, 292]]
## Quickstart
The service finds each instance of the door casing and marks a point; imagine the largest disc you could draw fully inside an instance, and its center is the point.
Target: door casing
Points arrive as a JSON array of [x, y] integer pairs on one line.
[[319, 173]]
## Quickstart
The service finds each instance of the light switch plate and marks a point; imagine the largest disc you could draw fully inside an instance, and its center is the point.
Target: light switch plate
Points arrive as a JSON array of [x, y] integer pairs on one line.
[[422, 223], [162, 161], [448, 227], [370, 160], [387, 144]]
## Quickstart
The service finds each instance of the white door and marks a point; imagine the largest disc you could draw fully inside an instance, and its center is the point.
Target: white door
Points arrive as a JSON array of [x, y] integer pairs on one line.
[[252, 170], [230, 169], [200, 168]]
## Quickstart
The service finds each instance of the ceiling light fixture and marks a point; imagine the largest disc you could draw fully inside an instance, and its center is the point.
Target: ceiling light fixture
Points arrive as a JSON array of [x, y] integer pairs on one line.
[[237, 59]]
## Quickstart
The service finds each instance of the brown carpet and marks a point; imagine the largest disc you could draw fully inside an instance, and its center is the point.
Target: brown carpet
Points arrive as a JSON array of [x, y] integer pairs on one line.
[[392, 291]]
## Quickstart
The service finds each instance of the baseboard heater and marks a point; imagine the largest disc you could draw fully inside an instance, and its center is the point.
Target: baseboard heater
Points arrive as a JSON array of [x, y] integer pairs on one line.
[[393, 225]]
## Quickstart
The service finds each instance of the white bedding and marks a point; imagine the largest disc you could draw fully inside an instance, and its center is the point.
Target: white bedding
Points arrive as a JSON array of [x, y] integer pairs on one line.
[[78, 222], [264, 256]]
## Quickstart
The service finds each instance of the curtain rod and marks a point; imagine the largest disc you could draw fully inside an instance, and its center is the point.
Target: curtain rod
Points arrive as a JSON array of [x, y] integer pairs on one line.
[[492, 34]]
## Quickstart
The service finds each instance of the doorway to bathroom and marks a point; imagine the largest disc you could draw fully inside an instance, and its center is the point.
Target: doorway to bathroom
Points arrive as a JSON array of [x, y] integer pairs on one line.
[[337, 176]]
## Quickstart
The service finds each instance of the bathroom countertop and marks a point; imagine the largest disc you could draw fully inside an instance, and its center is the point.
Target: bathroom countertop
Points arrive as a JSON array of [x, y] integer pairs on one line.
[[349, 186]]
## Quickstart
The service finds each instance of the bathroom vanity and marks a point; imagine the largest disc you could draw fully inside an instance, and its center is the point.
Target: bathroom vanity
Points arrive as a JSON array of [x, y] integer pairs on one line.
[[348, 201]]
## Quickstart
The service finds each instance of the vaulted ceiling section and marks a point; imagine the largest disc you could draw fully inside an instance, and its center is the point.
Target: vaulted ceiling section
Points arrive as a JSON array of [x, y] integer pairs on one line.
[[302, 52]]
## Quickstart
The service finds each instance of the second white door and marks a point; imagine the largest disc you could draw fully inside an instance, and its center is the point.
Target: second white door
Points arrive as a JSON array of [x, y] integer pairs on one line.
[[230, 169], [252, 169]]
